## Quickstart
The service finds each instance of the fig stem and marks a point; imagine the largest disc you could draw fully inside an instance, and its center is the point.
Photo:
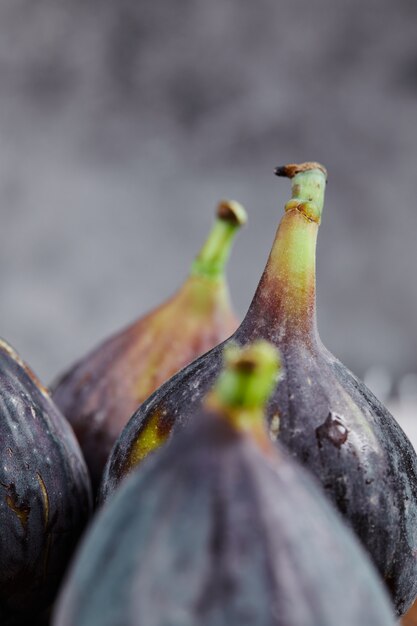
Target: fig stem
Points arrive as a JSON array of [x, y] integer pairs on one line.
[[308, 187], [285, 300], [242, 390], [213, 256]]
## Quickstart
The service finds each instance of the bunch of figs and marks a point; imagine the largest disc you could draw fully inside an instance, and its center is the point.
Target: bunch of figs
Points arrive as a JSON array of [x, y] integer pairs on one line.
[[241, 475]]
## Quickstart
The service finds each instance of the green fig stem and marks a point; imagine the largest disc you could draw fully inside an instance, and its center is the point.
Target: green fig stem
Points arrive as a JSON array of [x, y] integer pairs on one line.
[[308, 187], [213, 256], [285, 302], [245, 385]]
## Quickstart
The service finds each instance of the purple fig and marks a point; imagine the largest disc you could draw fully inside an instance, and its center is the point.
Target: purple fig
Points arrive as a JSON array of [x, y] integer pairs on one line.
[[45, 493], [327, 418], [99, 393], [223, 528]]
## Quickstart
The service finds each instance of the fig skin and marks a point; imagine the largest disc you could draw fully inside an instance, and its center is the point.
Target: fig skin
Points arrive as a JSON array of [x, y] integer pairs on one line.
[[99, 393], [221, 528], [327, 418], [45, 493]]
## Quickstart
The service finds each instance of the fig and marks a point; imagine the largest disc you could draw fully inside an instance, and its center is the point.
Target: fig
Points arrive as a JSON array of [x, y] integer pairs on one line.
[[99, 393], [327, 418], [45, 493], [222, 528]]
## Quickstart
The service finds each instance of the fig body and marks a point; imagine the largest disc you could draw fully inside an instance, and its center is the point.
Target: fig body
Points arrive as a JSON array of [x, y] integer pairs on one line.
[[99, 393], [325, 416], [220, 528], [45, 493]]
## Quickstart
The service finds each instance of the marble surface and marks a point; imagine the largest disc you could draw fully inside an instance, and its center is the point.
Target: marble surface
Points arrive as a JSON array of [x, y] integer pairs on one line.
[[123, 123]]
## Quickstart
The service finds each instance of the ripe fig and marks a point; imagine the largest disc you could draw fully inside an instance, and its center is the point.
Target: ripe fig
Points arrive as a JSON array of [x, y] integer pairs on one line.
[[327, 418], [99, 394], [220, 527], [45, 493]]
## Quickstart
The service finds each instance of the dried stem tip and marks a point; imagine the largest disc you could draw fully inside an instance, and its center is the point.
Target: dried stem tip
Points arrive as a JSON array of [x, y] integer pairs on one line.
[[290, 170], [232, 212]]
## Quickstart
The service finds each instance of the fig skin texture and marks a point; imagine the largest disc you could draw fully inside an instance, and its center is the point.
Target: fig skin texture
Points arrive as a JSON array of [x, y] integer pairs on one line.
[[99, 393], [45, 494], [326, 417], [220, 528]]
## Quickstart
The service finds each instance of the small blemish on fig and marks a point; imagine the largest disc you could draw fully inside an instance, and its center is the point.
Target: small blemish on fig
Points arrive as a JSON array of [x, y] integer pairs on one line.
[[45, 498], [274, 427], [22, 511], [333, 429]]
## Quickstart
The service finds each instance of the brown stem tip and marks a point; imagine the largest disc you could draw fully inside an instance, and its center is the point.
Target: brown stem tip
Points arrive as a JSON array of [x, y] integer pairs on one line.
[[232, 212], [290, 170]]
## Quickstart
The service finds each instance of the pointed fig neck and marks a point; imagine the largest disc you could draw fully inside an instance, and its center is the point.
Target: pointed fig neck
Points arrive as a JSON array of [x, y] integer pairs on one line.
[[284, 305], [244, 387], [205, 296], [213, 256]]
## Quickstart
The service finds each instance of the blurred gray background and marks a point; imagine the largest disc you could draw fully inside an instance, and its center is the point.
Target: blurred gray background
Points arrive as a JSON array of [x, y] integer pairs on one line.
[[123, 123]]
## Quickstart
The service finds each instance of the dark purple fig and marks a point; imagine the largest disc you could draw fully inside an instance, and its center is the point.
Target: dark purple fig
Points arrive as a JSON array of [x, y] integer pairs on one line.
[[99, 394], [328, 419], [45, 493], [220, 528]]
